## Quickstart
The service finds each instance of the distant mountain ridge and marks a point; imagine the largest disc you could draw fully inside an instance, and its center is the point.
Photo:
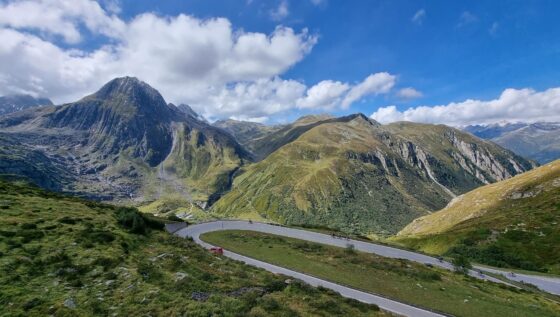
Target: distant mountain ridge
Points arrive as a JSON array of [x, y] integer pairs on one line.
[[246, 132], [14, 103], [538, 141]]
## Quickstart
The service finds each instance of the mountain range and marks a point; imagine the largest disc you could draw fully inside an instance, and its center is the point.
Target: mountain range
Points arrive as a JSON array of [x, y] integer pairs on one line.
[[538, 141], [14, 103], [357, 175], [126, 144]]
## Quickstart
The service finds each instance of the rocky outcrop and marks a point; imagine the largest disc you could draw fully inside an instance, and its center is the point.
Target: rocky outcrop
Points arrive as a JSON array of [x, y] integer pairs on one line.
[[477, 159]]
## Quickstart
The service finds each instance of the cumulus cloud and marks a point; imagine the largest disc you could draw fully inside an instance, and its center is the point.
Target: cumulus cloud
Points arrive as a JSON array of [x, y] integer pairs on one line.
[[374, 84], [61, 18], [419, 16], [409, 93], [219, 70], [325, 95], [513, 105], [260, 98]]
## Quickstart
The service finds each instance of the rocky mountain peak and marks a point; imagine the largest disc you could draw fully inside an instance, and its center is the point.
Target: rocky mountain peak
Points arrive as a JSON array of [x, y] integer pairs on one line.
[[130, 92]]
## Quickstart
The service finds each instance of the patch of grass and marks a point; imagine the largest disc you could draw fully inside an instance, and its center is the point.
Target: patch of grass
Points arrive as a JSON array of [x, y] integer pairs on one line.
[[113, 260], [403, 280], [521, 233]]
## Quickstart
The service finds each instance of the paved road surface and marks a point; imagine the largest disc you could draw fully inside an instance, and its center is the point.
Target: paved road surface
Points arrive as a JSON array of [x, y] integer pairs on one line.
[[551, 285]]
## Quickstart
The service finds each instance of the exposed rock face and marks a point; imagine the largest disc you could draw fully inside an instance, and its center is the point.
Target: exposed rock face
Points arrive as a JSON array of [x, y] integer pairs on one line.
[[122, 142], [125, 114], [186, 109], [482, 159], [14, 103]]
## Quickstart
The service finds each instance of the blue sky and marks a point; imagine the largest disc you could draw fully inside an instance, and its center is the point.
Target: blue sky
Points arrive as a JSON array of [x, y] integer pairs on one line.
[[501, 53]]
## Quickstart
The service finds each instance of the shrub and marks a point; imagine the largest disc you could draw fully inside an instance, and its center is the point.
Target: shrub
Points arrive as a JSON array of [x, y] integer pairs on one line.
[[27, 226], [67, 220], [461, 264], [137, 222], [350, 249]]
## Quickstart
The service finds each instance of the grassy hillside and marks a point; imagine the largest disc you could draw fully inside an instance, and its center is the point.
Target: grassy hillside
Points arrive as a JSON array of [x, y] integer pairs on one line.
[[513, 223], [329, 176], [355, 175], [264, 145], [406, 281], [64, 256]]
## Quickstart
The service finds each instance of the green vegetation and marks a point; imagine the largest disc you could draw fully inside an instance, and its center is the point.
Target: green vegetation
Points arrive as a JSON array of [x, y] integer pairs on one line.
[[407, 281], [513, 224], [329, 177], [357, 176], [64, 256]]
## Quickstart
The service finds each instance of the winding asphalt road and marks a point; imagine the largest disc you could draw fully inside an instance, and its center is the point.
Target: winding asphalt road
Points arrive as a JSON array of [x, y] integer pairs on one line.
[[551, 285]]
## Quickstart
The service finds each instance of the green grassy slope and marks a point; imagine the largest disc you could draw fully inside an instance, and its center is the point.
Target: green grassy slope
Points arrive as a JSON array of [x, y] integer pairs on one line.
[[269, 142], [333, 175], [513, 223], [64, 256], [406, 281], [355, 175]]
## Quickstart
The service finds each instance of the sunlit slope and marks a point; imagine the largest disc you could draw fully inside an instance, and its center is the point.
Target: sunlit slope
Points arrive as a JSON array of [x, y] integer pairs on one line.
[[510, 223], [353, 174], [63, 256]]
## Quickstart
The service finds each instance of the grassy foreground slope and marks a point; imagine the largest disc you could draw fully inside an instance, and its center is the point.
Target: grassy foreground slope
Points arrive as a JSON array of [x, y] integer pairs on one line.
[[514, 223], [64, 256], [403, 280]]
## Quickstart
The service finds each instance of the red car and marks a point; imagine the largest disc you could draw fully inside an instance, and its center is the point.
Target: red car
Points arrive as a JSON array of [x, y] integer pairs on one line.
[[216, 250]]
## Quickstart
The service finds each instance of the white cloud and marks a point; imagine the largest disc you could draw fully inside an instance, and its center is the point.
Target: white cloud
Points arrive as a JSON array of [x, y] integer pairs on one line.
[[409, 93], [260, 98], [280, 12], [513, 105], [374, 84], [325, 95], [419, 16], [219, 70], [61, 18]]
